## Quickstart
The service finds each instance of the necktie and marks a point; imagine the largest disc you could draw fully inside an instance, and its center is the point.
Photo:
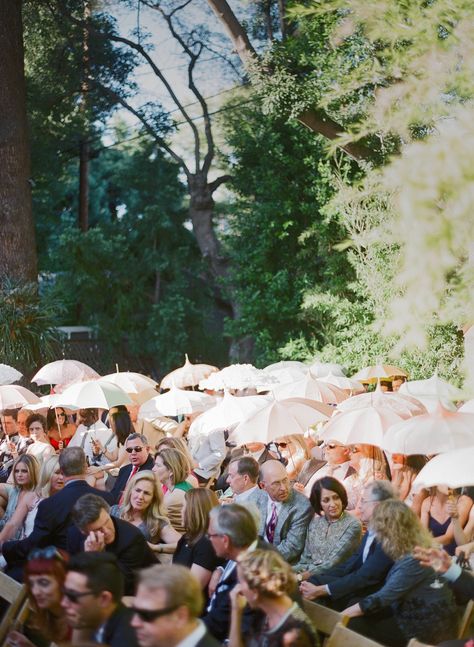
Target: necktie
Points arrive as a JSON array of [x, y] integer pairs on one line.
[[132, 474], [271, 525]]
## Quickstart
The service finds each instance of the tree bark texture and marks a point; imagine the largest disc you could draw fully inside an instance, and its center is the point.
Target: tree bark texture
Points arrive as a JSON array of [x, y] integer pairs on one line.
[[18, 259], [312, 119]]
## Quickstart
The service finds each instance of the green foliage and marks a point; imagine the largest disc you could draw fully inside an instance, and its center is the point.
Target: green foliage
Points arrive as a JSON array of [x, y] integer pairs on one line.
[[27, 336], [279, 239]]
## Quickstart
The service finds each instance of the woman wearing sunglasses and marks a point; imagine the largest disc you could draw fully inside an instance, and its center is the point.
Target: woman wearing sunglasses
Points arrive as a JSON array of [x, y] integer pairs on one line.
[[45, 572], [142, 505], [333, 534], [60, 430]]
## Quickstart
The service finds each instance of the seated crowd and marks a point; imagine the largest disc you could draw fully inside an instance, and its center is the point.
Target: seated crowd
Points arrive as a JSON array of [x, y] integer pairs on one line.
[[180, 546]]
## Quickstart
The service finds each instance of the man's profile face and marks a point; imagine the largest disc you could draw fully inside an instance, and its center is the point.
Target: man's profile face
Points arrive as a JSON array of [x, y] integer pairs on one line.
[[275, 481], [218, 541], [21, 423], [160, 632], [9, 425], [238, 482], [367, 505], [80, 604]]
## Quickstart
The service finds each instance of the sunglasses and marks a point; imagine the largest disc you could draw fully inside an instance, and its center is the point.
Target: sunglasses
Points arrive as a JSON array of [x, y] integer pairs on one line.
[[75, 596], [331, 446], [46, 553], [282, 445], [137, 449], [148, 615]]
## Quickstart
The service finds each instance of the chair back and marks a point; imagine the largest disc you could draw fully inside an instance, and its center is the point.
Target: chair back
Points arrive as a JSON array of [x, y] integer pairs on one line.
[[323, 618], [416, 643], [342, 637], [466, 620], [14, 594]]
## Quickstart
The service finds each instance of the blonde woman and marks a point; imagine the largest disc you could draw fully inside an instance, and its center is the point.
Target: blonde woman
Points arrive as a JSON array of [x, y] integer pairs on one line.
[[143, 507], [172, 467], [51, 479], [195, 549], [170, 442], [21, 496], [420, 607], [265, 582]]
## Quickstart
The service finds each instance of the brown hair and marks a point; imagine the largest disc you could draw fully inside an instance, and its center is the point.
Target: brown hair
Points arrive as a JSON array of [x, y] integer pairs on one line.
[[199, 503]]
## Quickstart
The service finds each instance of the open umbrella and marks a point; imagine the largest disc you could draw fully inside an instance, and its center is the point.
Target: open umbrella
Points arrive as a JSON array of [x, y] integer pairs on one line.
[[175, 402], [8, 374], [292, 364], [321, 369], [98, 394], [453, 469], [432, 391], [228, 413], [139, 387], [467, 407], [238, 376], [371, 374], [432, 433], [64, 372], [310, 388], [187, 375], [343, 382], [277, 419], [287, 375], [404, 405], [367, 425], [13, 396]]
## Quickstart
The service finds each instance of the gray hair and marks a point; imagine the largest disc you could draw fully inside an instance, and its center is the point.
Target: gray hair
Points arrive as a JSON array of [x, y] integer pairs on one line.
[[236, 522], [136, 436], [87, 509], [382, 490]]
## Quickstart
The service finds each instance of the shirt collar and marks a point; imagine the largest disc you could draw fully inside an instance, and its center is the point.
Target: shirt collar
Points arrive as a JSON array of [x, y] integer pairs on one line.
[[194, 637]]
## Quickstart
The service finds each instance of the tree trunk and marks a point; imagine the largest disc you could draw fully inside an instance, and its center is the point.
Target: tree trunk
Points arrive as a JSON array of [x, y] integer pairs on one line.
[[17, 234], [201, 211]]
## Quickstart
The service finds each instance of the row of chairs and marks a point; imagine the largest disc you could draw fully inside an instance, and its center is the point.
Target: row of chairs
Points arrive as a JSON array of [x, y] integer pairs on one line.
[[330, 623], [333, 626]]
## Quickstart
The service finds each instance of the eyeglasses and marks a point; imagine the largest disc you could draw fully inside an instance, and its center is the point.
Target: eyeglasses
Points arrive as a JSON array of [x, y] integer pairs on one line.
[[46, 553], [364, 501], [210, 535], [75, 596], [282, 445], [148, 615], [136, 449], [332, 446]]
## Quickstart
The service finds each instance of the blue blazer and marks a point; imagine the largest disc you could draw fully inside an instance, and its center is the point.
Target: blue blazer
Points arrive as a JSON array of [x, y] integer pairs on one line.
[[353, 577], [52, 521]]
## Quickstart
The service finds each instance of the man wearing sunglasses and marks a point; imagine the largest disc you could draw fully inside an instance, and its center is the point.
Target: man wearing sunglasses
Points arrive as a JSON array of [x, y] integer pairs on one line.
[[167, 607], [138, 452], [92, 600]]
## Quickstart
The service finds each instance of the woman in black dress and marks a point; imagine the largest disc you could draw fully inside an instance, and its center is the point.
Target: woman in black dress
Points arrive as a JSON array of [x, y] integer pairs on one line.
[[195, 549]]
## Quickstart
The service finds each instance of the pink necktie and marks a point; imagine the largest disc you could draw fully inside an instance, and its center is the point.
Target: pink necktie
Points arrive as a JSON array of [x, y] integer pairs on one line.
[[271, 525]]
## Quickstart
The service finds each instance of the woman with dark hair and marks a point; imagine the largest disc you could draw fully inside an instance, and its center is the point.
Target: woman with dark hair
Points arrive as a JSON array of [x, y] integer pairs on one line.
[[333, 534], [59, 429], [195, 549], [41, 448], [45, 572], [404, 471]]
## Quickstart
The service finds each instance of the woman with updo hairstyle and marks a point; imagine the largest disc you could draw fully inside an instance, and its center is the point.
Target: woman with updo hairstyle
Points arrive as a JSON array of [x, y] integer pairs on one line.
[[44, 576], [172, 468], [172, 442], [333, 534], [265, 582]]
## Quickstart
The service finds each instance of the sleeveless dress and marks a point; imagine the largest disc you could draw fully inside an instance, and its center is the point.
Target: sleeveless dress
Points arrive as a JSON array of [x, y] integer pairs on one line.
[[438, 529]]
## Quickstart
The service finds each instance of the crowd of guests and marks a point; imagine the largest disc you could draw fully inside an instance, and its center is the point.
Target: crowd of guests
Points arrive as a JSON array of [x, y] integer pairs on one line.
[[123, 537]]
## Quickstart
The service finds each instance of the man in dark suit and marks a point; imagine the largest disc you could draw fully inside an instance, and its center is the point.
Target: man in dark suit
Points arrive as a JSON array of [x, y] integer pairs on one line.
[[54, 513], [365, 571], [138, 450], [92, 597], [97, 531], [232, 530], [167, 607]]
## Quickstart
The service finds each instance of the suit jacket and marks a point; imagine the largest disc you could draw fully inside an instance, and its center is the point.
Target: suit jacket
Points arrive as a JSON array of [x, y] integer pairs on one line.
[[464, 585], [118, 631], [292, 524], [124, 475], [207, 640], [52, 521], [129, 546], [355, 578]]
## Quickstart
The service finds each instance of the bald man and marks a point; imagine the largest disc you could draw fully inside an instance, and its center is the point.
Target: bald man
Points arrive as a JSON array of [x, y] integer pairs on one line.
[[284, 513]]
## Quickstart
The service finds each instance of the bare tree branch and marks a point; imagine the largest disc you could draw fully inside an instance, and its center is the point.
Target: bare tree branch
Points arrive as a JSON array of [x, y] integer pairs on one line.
[[218, 181]]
